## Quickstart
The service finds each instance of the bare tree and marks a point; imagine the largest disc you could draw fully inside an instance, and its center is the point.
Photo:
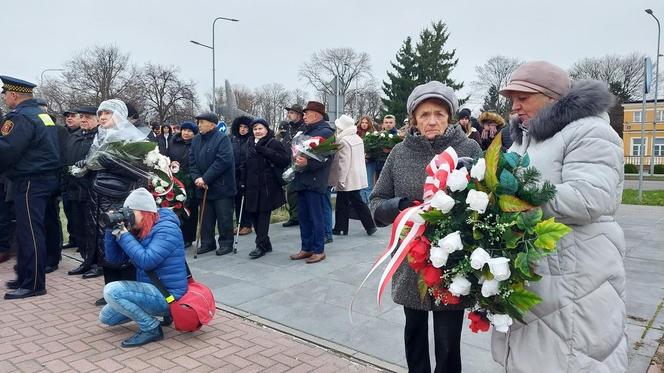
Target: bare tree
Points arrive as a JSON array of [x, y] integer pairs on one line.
[[345, 63], [100, 73], [624, 73], [246, 100], [495, 72], [167, 96], [270, 102], [364, 99]]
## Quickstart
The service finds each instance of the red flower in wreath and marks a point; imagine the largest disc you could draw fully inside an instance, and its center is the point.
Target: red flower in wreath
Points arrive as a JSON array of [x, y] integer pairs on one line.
[[164, 203], [431, 275], [449, 298], [170, 195], [478, 322], [178, 205], [419, 253]]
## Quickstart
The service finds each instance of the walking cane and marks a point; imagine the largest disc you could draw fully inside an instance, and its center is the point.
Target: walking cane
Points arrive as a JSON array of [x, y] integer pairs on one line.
[[200, 220], [237, 234]]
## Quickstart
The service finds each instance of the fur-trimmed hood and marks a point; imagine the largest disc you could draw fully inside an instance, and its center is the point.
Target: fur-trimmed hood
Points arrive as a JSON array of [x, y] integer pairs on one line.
[[586, 98]]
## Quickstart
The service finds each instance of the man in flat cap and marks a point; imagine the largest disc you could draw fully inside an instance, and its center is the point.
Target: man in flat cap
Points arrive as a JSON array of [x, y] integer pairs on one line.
[[31, 158], [78, 191], [286, 134], [212, 167], [310, 183]]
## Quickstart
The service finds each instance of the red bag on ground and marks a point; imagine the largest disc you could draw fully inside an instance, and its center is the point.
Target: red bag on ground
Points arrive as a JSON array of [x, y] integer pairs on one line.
[[194, 309]]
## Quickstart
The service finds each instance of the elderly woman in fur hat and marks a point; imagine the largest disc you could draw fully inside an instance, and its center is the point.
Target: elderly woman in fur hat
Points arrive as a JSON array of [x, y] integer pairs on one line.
[[491, 124], [580, 324]]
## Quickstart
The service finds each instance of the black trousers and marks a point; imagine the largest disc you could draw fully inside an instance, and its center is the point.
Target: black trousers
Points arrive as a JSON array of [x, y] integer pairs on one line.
[[80, 228], [189, 224], [291, 197], [6, 220], [447, 339], [53, 228], [30, 199], [347, 201], [217, 212], [261, 221]]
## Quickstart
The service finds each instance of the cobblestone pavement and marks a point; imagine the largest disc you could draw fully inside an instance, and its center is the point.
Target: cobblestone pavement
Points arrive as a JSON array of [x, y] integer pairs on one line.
[[59, 332]]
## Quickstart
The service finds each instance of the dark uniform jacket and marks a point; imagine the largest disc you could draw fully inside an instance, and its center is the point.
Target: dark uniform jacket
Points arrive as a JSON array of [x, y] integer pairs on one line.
[[76, 149], [262, 171], [29, 143], [315, 174], [211, 157]]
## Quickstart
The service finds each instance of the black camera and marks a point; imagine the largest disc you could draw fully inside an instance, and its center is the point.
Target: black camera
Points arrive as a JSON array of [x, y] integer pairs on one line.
[[111, 219]]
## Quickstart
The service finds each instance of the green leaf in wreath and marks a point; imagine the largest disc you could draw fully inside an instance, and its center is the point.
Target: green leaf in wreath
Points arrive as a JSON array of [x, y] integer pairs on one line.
[[522, 265], [523, 300], [510, 203], [549, 232], [512, 159], [422, 288], [508, 183], [433, 216], [525, 160], [511, 238], [491, 157], [527, 220]]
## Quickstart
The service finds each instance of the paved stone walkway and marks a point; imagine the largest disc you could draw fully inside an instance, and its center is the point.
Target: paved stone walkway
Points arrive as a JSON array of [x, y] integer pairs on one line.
[[59, 332]]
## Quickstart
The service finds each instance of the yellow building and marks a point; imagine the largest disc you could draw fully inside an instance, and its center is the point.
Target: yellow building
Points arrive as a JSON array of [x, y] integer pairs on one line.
[[632, 141]]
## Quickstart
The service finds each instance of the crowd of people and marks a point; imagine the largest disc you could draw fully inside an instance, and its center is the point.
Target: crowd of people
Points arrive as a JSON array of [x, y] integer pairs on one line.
[[562, 125]]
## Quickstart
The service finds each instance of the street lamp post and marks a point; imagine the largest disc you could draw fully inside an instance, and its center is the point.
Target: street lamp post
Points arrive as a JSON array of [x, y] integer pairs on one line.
[[214, 81], [41, 76], [654, 122]]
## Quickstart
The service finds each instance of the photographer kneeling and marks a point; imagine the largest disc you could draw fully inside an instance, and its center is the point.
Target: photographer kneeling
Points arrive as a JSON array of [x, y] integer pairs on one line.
[[153, 243]]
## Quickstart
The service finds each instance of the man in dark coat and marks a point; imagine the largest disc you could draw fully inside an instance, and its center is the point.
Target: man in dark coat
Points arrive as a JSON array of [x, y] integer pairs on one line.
[[213, 170], [31, 160], [78, 189], [72, 124], [286, 134], [265, 162], [240, 134], [310, 183]]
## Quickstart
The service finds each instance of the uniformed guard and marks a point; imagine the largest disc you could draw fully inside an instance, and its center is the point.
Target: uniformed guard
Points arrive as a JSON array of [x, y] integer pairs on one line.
[[30, 158]]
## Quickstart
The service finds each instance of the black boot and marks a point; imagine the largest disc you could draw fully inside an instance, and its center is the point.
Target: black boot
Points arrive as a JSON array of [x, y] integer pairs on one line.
[[256, 253]]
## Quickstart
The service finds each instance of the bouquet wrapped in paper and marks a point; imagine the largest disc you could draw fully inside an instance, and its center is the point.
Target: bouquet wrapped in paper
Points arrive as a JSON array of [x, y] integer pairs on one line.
[[478, 235], [316, 147]]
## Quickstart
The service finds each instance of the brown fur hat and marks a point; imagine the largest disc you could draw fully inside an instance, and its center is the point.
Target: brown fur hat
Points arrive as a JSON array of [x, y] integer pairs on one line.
[[488, 116]]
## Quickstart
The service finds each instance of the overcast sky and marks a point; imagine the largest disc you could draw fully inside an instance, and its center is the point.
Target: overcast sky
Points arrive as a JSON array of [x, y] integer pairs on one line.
[[273, 38]]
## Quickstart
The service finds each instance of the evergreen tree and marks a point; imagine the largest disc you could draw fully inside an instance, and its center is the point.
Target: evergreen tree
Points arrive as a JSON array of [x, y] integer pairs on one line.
[[414, 66], [493, 102], [401, 82]]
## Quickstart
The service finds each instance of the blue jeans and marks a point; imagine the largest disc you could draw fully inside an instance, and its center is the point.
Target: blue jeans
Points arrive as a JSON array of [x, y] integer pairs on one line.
[[133, 300], [310, 206], [371, 170], [327, 210]]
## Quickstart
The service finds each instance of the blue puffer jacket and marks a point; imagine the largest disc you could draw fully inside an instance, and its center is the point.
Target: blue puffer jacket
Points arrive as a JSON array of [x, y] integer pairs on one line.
[[162, 251]]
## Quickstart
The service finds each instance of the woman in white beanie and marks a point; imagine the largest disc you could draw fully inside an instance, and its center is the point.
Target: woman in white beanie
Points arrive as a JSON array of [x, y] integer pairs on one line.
[[348, 176], [152, 241]]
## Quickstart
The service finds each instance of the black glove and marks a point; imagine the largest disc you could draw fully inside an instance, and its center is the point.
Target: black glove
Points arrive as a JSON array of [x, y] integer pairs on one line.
[[466, 162], [405, 203], [80, 164], [242, 188]]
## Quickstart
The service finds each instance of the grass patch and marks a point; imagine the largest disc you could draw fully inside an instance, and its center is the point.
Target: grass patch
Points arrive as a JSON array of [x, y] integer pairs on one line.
[[650, 197]]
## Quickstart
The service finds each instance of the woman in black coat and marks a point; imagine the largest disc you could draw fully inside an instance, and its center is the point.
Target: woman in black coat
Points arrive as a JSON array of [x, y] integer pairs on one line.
[[240, 131], [178, 151], [266, 159]]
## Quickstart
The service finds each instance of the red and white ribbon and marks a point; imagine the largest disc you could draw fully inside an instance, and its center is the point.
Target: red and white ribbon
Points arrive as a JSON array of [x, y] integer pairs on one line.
[[437, 170]]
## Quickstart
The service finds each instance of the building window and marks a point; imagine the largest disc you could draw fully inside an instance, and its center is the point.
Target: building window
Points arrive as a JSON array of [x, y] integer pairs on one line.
[[636, 145], [659, 147], [638, 117], [660, 115]]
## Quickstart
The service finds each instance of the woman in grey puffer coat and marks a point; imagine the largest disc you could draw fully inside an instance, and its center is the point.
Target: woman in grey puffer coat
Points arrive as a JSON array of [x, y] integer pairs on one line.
[[580, 324], [430, 108]]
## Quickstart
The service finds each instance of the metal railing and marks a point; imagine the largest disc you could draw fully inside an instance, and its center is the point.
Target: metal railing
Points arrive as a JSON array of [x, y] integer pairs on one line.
[[635, 160]]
